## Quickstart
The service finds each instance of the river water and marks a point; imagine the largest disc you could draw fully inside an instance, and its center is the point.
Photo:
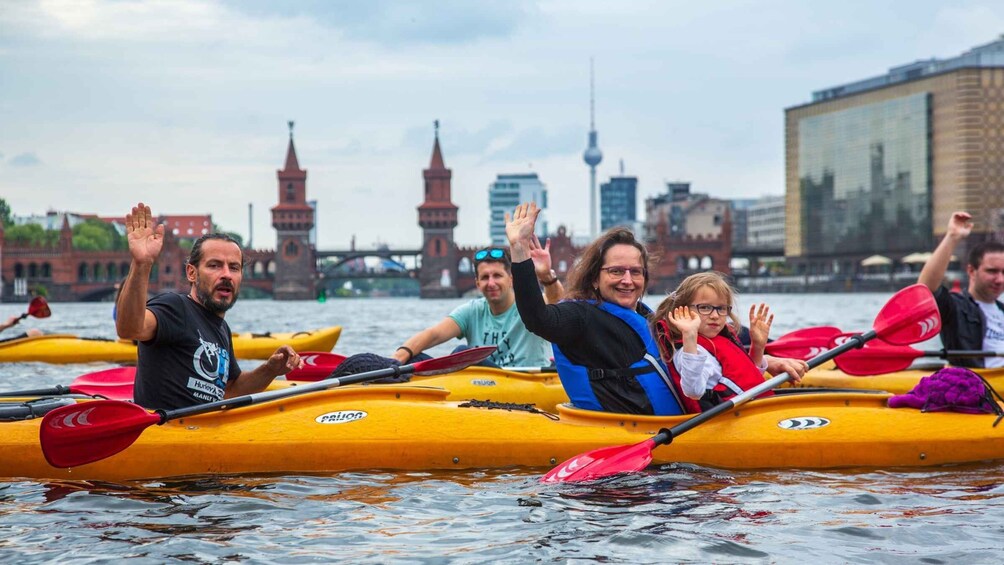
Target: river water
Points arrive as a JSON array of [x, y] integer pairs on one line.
[[675, 513]]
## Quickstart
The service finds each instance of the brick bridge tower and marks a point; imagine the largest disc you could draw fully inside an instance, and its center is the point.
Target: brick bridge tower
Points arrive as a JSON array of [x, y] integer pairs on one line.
[[438, 216], [292, 219]]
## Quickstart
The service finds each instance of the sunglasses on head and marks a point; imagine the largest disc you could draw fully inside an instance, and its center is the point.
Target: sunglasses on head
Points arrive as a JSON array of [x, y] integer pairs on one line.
[[494, 253]]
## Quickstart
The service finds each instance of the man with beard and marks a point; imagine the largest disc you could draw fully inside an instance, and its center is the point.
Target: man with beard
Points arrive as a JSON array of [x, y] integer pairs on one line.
[[186, 353]]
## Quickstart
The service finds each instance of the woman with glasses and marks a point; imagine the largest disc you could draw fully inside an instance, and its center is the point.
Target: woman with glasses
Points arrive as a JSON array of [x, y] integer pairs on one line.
[[605, 354], [694, 328]]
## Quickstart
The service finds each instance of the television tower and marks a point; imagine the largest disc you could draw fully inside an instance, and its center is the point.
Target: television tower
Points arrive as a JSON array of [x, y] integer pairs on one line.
[[592, 156]]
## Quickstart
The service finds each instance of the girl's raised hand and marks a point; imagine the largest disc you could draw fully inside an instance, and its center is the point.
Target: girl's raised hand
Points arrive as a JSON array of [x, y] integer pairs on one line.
[[685, 320], [760, 322]]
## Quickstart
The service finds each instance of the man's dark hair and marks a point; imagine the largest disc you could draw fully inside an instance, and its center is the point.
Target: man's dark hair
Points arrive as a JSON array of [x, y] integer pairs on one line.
[[505, 260], [981, 249], [196, 254]]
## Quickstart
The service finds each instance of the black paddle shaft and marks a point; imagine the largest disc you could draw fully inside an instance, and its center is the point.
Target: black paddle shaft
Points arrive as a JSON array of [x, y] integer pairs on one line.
[[665, 436], [57, 390], [249, 399], [946, 353]]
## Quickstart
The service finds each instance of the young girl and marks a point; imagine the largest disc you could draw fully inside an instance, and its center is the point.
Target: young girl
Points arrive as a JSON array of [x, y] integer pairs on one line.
[[695, 327]]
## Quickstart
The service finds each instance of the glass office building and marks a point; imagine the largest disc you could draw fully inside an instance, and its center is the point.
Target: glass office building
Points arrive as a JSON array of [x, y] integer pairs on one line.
[[509, 191], [619, 203], [876, 167], [864, 179]]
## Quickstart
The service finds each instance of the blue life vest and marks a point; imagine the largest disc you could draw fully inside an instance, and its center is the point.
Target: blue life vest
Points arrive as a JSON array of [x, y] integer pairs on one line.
[[649, 371]]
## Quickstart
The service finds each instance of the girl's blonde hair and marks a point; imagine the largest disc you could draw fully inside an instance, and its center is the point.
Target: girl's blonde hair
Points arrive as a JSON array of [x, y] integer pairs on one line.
[[666, 335]]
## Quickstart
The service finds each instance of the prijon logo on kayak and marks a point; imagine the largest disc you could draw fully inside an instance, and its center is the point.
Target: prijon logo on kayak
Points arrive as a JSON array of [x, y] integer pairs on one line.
[[340, 417], [483, 382], [803, 423]]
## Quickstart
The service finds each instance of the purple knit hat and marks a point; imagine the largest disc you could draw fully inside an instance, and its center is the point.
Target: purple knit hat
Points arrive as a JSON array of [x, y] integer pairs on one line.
[[955, 389]]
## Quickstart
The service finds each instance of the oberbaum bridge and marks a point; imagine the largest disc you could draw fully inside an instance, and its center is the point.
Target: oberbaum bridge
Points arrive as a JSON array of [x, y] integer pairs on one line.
[[296, 270]]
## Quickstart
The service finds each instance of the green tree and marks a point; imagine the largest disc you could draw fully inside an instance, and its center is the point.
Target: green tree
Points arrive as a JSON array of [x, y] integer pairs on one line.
[[31, 234], [5, 215], [97, 235]]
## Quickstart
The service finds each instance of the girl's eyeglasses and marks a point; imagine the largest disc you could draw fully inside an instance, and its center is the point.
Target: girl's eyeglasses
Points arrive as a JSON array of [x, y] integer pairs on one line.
[[493, 253], [707, 309]]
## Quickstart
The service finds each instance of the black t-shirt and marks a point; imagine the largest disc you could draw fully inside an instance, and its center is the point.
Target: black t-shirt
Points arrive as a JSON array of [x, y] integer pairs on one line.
[[191, 358]]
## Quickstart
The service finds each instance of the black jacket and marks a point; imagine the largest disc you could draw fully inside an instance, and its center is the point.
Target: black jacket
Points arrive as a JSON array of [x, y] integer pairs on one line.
[[963, 324]]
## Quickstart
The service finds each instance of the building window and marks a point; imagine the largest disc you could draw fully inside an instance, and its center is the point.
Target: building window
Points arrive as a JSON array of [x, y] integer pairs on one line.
[[290, 193]]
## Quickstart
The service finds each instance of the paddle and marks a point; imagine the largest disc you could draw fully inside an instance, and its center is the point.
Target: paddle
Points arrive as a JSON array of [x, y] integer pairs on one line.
[[317, 365], [878, 358], [90, 431], [37, 308], [802, 344], [910, 316], [115, 384]]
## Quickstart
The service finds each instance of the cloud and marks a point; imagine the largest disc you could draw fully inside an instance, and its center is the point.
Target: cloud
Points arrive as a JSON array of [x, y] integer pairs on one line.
[[459, 142], [446, 22], [540, 143], [25, 160]]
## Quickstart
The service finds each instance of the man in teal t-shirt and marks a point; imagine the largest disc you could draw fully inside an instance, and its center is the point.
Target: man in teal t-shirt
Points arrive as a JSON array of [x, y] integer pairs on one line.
[[493, 319]]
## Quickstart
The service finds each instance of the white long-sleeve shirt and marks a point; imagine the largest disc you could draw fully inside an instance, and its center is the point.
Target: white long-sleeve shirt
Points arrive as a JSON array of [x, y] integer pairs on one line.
[[701, 372]]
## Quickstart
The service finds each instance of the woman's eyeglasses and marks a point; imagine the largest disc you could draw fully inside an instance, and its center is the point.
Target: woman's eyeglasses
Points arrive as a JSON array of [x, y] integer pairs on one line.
[[707, 309], [618, 272], [493, 253]]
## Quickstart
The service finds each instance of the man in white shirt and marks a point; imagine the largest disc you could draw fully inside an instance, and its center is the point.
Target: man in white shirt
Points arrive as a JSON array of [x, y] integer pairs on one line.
[[973, 319]]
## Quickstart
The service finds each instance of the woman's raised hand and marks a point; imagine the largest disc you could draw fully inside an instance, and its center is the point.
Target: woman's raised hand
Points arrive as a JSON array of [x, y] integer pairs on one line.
[[519, 230]]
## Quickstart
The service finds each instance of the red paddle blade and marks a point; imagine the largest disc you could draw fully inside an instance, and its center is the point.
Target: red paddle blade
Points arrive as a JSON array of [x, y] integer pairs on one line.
[[39, 308], [113, 384], [876, 358], [603, 462], [802, 344], [910, 316], [316, 366], [90, 431], [111, 392], [453, 362], [117, 376]]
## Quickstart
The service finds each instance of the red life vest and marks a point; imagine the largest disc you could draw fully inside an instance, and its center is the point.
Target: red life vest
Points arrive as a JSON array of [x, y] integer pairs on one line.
[[739, 373]]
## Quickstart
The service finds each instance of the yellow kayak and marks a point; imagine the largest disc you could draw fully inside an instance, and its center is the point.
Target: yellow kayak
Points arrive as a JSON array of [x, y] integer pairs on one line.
[[407, 427], [63, 348], [543, 388], [897, 383]]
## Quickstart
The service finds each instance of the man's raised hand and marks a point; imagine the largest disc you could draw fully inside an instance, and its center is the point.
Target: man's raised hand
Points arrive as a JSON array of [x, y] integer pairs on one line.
[[145, 238]]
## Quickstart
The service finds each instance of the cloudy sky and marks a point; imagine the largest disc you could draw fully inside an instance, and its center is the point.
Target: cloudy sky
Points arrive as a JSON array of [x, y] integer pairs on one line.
[[183, 104]]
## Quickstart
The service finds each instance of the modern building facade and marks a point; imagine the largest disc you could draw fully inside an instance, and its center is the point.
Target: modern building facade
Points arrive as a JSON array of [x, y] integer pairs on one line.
[[765, 223], [877, 166], [507, 192], [619, 202]]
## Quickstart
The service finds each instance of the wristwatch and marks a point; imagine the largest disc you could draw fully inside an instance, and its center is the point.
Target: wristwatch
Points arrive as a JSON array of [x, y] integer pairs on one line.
[[554, 279]]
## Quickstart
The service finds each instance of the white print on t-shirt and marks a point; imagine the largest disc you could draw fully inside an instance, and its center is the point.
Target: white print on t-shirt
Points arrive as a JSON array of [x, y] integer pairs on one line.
[[211, 362], [503, 356], [993, 339]]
